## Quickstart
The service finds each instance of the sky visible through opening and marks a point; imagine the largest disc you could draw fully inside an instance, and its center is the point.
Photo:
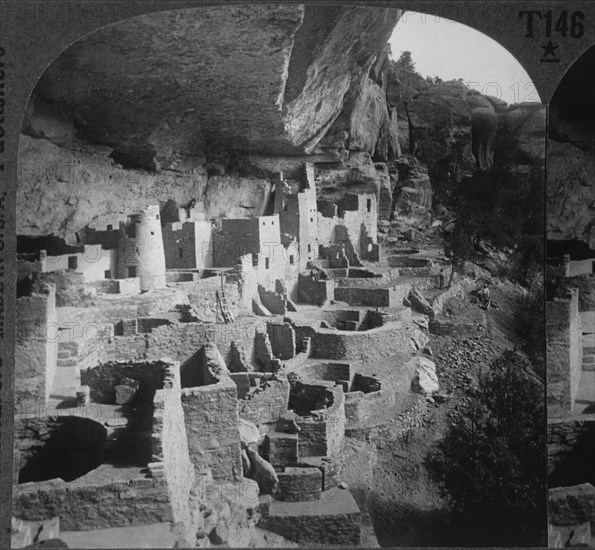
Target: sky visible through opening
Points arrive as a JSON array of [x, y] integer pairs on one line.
[[450, 50]]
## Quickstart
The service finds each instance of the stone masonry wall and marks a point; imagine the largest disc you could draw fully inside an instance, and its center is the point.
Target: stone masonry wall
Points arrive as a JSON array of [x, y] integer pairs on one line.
[[83, 506], [384, 341], [564, 354], [211, 420], [299, 484], [36, 347], [170, 445], [282, 337], [269, 404]]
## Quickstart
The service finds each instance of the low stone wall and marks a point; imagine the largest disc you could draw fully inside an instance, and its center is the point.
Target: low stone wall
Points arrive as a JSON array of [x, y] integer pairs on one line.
[[84, 506], [407, 261], [326, 371], [181, 341], [384, 341], [299, 484], [322, 433], [127, 286], [333, 519], [105, 377], [360, 406], [269, 404], [364, 296]]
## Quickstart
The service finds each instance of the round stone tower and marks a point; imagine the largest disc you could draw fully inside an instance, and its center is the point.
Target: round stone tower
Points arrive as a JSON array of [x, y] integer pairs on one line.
[[149, 250]]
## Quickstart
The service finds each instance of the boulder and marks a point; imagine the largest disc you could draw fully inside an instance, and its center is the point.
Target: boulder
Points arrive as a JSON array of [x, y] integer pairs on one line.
[[419, 303], [262, 472], [418, 339], [220, 533], [425, 381], [421, 321], [124, 394], [49, 529], [581, 535], [249, 433]]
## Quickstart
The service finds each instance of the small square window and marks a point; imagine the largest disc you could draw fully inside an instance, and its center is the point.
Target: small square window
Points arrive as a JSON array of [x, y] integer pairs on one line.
[[311, 219], [110, 227], [107, 274], [131, 271], [72, 262], [152, 232], [157, 216]]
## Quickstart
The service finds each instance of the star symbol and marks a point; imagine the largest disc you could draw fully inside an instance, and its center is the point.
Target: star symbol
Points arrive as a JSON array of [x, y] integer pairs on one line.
[[549, 49]]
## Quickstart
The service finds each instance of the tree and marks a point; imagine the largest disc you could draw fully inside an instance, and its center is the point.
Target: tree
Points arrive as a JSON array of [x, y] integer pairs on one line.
[[491, 462], [405, 62]]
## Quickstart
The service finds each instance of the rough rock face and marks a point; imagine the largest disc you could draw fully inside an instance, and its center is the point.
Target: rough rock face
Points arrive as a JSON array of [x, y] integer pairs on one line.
[[521, 132], [268, 78], [72, 188], [571, 155], [412, 194], [570, 193], [357, 174], [166, 95], [438, 126]]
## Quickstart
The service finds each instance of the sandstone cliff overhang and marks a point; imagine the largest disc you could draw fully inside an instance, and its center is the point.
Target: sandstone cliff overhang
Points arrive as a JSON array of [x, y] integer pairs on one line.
[[261, 78]]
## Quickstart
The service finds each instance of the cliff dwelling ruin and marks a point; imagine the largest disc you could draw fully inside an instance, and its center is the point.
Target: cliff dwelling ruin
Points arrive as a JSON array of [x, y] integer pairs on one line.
[[235, 303]]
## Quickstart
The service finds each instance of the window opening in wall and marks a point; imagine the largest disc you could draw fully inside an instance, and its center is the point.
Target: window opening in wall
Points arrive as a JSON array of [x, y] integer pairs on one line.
[[284, 205], [369, 205], [152, 232], [309, 248], [157, 216], [266, 263], [72, 262], [291, 259], [107, 274], [131, 271], [311, 219], [131, 231], [110, 227], [180, 252]]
